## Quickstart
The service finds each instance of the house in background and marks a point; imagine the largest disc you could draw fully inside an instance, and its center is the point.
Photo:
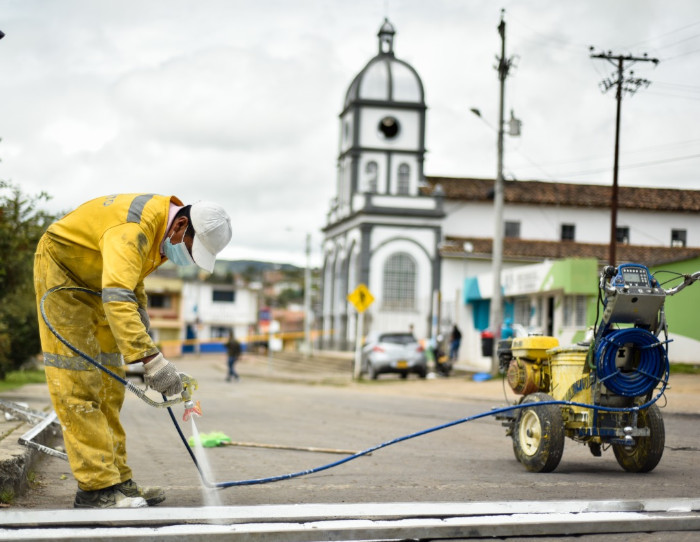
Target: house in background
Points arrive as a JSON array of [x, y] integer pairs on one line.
[[192, 313], [164, 291]]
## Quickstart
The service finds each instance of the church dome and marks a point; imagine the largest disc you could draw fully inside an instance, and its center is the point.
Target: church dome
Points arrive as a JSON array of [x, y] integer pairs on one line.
[[385, 77]]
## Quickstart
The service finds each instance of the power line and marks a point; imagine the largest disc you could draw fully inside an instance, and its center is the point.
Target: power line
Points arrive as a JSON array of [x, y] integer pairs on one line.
[[623, 84], [682, 54], [662, 35], [634, 166]]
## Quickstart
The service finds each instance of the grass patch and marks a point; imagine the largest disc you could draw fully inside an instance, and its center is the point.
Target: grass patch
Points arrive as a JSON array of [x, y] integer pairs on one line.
[[684, 368], [7, 495], [17, 379]]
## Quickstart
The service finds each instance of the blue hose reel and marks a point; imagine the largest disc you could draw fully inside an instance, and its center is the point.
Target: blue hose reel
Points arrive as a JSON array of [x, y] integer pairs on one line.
[[630, 361]]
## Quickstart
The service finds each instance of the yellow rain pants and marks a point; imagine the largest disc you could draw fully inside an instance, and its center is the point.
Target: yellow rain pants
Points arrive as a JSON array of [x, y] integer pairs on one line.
[[101, 251]]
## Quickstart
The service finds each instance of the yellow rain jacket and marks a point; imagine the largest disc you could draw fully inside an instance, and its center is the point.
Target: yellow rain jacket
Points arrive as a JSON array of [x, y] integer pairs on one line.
[[110, 244]]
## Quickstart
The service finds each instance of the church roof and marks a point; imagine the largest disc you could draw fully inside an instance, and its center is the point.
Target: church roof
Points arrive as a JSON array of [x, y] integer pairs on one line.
[[525, 250], [567, 194], [385, 77]]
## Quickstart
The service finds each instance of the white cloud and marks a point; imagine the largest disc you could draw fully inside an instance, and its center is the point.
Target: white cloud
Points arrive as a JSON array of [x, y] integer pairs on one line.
[[238, 100]]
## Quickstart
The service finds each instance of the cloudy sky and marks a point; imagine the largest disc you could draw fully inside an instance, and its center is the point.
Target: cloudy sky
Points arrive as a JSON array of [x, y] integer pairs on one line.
[[238, 100]]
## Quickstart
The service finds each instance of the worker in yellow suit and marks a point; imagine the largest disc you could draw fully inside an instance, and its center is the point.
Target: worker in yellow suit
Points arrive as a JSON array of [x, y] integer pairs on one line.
[[110, 244]]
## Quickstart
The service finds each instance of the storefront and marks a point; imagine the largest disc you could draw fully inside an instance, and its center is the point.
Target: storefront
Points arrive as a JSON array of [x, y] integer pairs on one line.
[[556, 298]]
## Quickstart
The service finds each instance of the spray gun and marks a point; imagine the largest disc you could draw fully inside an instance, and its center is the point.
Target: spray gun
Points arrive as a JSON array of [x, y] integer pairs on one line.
[[189, 385]]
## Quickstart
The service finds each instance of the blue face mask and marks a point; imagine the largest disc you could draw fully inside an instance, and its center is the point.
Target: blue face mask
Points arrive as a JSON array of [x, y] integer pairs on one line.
[[177, 253]]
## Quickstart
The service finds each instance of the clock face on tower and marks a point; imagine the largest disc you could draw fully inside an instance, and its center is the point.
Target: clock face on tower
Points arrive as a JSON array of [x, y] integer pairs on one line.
[[389, 127]]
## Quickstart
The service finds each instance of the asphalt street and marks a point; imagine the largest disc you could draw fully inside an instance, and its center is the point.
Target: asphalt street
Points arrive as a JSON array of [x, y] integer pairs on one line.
[[283, 420]]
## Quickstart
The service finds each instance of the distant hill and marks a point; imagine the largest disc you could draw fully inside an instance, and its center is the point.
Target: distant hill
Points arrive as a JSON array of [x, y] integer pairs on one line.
[[238, 266], [224, 268]]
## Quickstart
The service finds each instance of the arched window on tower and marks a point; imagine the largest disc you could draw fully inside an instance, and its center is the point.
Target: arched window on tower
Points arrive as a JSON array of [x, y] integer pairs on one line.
[[399, 281], [371, 177], [404, 176]]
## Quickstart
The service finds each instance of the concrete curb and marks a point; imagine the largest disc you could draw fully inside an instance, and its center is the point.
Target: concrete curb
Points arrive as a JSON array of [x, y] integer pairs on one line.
[[17, 460]]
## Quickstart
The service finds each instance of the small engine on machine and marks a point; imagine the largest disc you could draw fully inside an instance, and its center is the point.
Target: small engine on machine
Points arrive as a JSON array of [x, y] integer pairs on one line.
[[599, 392]]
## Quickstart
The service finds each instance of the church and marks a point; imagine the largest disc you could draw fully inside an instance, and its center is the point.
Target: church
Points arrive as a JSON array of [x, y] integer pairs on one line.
[[422, 244]]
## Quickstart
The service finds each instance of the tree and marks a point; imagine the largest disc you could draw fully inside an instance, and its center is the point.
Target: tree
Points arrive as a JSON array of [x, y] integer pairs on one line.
[[21, 226]]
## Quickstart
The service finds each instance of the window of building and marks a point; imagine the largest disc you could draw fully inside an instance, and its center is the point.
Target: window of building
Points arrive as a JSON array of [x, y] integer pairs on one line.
[[223, 296], [399, 281], [404, 173], [159, 301], [622, 234], [568, 232], [575, 310], [220, 332], [679, 238], [371, 175], [512, 229]]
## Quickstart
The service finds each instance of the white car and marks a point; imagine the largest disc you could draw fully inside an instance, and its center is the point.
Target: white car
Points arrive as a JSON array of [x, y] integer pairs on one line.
[[393, 352]]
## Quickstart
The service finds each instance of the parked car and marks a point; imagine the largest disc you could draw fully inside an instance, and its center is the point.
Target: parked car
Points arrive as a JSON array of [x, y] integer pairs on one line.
[[393, 352]]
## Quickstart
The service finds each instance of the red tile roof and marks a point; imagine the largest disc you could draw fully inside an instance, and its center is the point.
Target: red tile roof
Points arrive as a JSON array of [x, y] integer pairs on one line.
[[567, 194]]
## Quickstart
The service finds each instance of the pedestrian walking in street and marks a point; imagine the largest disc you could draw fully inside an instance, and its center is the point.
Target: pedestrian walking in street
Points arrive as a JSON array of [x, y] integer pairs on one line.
[[233, 347], [108, 246], [455, 342]]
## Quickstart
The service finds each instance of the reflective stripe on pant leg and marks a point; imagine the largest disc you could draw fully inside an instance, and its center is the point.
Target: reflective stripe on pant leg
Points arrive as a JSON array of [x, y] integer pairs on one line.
[[112, 396], [76, 398]]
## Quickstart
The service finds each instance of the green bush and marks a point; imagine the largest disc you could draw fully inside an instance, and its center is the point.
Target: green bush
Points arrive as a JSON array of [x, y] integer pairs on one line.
[[21, 227]]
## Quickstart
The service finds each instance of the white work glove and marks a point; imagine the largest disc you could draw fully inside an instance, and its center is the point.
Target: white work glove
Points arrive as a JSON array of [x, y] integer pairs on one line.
[[162, 376]]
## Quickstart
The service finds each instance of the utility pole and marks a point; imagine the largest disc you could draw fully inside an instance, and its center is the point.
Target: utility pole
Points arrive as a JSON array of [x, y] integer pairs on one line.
[[497, 251], [622, 84], [307, 299]]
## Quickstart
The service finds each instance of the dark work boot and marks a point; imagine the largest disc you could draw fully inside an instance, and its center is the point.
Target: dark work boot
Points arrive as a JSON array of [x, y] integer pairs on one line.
[[109, 497], [153, 495]]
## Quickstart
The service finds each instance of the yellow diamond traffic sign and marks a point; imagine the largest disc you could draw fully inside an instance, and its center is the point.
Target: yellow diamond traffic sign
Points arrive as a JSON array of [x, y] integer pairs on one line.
[[361, 298]]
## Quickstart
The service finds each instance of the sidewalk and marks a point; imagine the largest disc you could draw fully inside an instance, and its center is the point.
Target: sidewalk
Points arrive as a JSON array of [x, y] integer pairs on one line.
[[16, 460]]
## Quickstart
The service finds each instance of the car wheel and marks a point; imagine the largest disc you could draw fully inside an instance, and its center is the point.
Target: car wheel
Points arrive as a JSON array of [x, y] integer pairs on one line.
[[422, 372]]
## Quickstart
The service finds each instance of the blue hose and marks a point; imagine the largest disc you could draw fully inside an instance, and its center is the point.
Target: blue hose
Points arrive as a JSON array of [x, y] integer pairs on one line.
[[256, 481], [652, 366], [493, 412]]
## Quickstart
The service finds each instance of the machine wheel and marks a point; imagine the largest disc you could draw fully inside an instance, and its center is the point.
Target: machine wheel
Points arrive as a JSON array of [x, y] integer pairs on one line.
[[647, 451], [538, 436]]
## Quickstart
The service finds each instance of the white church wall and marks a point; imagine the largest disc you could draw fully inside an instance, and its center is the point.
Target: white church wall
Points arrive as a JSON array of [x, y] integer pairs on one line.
[[543, 223], [387, 242]]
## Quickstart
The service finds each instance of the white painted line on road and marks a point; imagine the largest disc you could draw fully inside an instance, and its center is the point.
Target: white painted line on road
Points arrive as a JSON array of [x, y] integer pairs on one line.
[[532, 524], [315, 512]]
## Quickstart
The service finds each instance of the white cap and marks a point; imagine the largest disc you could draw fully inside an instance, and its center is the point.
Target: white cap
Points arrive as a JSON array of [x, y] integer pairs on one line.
[[212, 227]]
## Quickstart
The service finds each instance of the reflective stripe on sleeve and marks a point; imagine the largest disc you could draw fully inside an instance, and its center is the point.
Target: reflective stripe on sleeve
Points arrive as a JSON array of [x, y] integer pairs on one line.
[[136, 208], [76, 363], [118, 294]]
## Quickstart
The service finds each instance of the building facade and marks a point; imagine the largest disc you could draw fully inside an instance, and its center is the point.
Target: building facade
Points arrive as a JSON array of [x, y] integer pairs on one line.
[[381, 230], [190, 314]]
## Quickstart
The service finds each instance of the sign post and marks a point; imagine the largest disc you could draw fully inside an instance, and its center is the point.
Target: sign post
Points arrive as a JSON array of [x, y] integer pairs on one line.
[[361, 298]]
